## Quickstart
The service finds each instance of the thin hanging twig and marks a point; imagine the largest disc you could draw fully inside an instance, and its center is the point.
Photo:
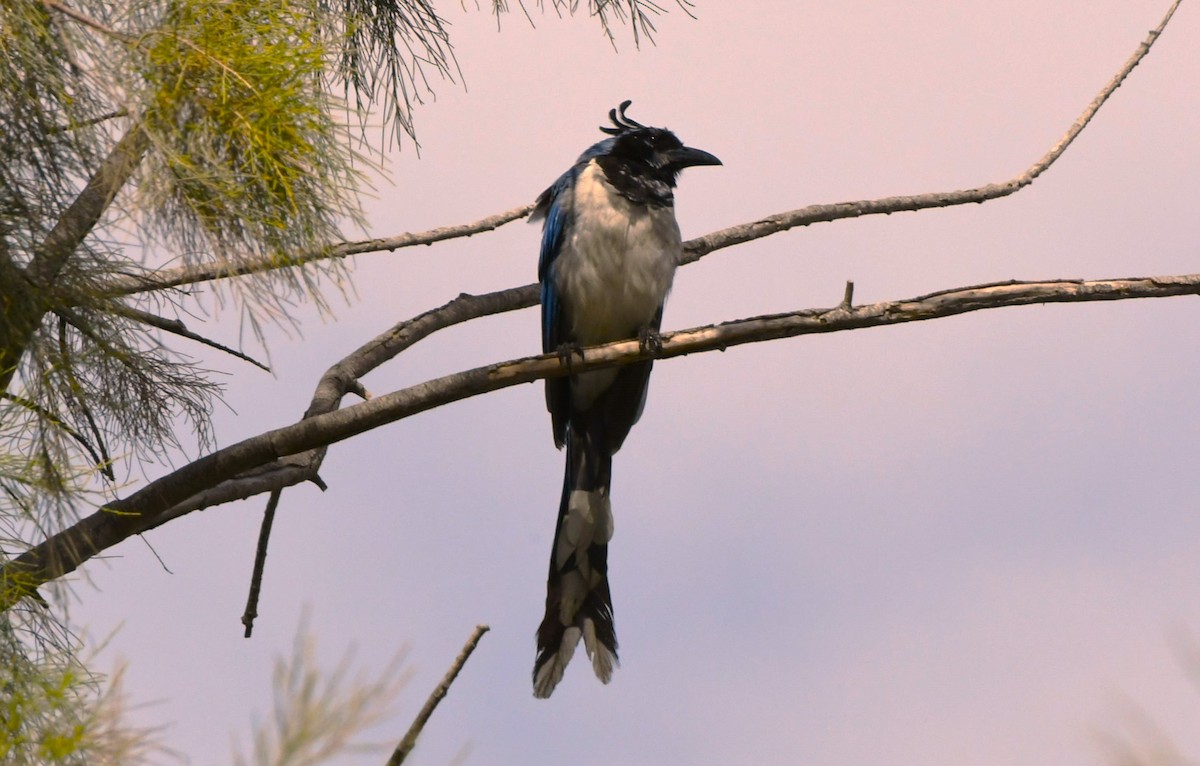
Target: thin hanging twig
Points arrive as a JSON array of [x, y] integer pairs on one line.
[[260, 561]]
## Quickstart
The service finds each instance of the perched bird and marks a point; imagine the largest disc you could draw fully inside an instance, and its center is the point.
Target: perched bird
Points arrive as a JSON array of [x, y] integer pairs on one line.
[[610, 244]]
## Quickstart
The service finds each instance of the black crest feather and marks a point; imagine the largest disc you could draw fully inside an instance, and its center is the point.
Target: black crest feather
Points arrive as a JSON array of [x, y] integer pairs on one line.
[[622, 122]]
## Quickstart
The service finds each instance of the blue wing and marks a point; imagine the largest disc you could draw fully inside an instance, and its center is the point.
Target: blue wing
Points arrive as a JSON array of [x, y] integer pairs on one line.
[[554, 206]]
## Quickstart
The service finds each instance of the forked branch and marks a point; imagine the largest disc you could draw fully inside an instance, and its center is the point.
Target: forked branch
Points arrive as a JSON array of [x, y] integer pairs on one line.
[[289, 455], [694, 249], [65, 551]]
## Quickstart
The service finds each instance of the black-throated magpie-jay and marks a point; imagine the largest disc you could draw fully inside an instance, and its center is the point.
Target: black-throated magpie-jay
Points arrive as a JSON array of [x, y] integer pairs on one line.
[[610, 244]]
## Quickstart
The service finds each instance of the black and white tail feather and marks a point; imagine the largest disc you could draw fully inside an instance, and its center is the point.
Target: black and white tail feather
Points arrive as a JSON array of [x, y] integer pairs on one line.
[[578, 599]]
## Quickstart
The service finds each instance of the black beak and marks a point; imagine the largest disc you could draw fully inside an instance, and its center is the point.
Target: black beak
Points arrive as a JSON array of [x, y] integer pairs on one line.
[[686, 157]]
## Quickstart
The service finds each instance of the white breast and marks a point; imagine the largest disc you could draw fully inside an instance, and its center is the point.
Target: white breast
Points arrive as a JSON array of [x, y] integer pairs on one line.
[[617, 262]]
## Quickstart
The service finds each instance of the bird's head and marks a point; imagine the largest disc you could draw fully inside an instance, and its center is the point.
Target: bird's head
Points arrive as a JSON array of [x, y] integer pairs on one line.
[[654, 152], [639, 162]]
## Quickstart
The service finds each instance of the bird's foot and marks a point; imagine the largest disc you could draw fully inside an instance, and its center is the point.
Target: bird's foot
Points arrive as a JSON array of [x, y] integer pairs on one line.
[[568, 350], [650, 340]]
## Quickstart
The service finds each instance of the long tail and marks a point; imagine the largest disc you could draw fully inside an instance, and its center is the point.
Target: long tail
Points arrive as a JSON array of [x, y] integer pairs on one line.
[[578, 601]]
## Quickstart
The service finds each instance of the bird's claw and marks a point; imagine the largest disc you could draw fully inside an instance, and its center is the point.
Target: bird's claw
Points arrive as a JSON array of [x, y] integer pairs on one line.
[[650, 340], [567, 350]]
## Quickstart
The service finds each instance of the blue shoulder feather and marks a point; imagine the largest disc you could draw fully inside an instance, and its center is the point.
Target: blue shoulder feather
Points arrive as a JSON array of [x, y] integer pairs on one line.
[[554, 205]]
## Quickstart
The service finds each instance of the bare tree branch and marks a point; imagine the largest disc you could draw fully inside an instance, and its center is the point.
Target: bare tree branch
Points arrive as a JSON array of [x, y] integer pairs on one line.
[[275, 475], [697, 248], [410, 737], [86, 20], [344, 377], [176, 327], [694, 249], [166, 278], [92, 121], [78, 220], [64, 552], [75, 223], [260, 562]]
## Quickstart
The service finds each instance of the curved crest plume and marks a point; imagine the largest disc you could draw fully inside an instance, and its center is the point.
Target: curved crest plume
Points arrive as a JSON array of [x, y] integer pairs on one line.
[[623, 123]]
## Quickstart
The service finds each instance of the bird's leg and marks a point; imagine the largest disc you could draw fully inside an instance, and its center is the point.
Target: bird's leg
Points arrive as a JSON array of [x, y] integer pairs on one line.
[[649, 339], [566, 350]]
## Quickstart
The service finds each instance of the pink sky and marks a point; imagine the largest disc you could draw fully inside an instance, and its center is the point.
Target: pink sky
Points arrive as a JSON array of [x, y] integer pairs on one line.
[[969, 541]]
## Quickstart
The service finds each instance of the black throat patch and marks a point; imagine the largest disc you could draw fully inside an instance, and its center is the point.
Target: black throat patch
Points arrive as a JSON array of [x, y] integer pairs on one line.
[[637, 182]]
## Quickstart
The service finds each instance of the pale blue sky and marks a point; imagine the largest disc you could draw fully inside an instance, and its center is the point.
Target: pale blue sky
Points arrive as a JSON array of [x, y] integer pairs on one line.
[[969, 541]]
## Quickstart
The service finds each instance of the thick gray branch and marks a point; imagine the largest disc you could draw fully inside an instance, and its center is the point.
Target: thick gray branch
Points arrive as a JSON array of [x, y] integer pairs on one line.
[[29, 291], [65, 551], [343, 378]]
